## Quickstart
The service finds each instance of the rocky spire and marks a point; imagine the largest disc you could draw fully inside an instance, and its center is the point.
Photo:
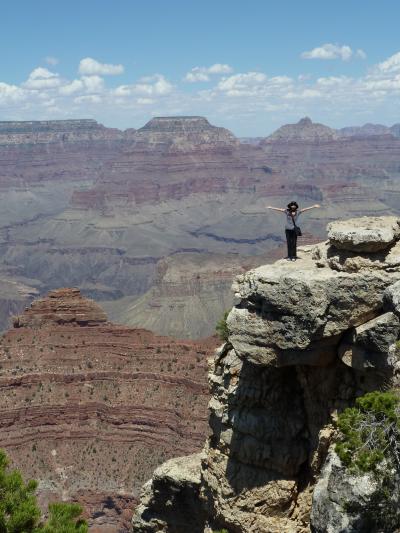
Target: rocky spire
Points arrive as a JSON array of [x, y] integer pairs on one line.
[[303, 130]]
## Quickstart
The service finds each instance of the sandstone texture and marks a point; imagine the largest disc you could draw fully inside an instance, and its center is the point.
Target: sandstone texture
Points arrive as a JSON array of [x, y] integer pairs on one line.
[[305, 339], [365, 234], [90, 408]]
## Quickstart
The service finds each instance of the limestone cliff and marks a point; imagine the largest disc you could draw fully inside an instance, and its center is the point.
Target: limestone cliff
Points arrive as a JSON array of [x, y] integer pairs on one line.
[[305, 339]]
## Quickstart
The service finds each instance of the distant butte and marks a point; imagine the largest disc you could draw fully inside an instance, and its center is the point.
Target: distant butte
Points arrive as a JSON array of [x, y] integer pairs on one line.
[[305, 129]]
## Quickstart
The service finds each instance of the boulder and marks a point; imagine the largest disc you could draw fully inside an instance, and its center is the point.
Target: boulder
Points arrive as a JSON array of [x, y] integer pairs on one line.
[[372, 344], [169, 501], [365, 234], [293, 313], [334, 494], [391, 298]]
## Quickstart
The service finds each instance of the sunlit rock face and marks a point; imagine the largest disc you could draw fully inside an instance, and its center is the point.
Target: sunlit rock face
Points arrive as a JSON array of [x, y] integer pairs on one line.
[[305, 339], [89, 408]]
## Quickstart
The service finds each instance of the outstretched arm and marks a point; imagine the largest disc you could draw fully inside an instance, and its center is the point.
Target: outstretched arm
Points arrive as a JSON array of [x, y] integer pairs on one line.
[[308, 208], [276, 208]]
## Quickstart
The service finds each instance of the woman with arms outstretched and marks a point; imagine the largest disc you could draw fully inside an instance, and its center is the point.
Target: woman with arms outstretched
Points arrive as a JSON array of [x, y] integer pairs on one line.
[[292, 213]]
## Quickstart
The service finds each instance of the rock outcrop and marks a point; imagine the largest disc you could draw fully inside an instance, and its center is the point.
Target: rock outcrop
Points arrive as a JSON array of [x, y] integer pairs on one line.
[[305, 129], [170, 500], [90, 408], [305, 339]]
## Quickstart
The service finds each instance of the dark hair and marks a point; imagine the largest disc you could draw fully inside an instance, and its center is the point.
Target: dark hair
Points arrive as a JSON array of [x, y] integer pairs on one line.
[[294, 204]]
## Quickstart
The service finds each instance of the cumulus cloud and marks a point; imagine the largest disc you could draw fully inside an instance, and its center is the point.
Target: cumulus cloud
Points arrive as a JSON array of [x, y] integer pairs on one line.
[[89, 66], [392, 64], [198, 74], [11, 93], [93, 84], [71, 88], [195, 75], [253, 84], [333, 51], [89, 99], [156, 85], [42, 78]]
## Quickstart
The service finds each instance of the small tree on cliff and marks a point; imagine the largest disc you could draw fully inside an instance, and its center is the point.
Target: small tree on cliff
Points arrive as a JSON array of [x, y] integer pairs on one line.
[[369, 442], [64, 518], [20, 513], [222, 328]]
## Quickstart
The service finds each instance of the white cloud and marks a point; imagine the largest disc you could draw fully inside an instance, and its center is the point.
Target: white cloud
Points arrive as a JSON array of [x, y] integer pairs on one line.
[[11, 93], [256, 84], [156, 85], [40, 73], [333, 51], [219, 68], [90, 67], [242, 81], [89, 98], [195, 75], [383, 84], [123, 90], [42, 78], [333, 80], [93, 84], [392, 64], [202, 73], [71, 88]]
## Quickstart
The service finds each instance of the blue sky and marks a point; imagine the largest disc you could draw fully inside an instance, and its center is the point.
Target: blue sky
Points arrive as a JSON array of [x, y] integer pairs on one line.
[[249, 66]]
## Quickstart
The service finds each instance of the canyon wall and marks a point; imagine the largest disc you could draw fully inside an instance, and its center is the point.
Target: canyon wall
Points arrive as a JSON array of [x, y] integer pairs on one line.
[[105, 210]]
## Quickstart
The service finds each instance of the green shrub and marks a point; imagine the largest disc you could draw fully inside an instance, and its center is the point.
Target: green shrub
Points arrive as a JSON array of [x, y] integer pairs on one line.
[[370, 431], [369, 441], [64, 518], [222, 329], [20, 513]]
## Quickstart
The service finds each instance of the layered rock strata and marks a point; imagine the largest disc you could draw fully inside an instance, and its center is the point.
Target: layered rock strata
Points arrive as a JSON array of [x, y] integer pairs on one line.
[[190, 294], [90, 408], [305, 339], [94, 207]]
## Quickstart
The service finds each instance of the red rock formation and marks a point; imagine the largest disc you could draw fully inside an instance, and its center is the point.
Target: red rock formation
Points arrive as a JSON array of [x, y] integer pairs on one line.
[[90, 408]]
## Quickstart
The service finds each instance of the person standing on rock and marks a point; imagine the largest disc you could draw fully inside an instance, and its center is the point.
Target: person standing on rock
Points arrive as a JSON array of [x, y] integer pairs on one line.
[[292, 230]]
